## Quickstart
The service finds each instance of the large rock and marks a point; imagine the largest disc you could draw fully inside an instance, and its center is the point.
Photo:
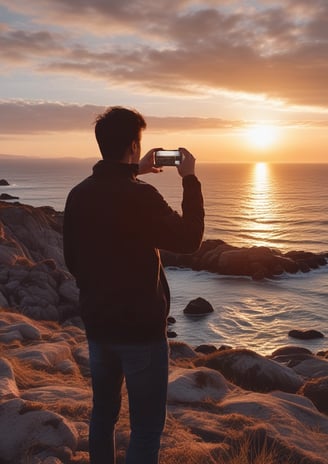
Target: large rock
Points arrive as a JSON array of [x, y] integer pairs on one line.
[[194, 385], [198, 307], [317, 391], [44, 355], [311, 367], [251, 371], [8, 386], [305, 334], [29, 431], [4, 182]]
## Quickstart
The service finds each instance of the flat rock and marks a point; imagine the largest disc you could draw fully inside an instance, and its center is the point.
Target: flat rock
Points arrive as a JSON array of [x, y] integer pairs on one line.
[[34, 430], [44, 355], [52, 394], [194, 385]]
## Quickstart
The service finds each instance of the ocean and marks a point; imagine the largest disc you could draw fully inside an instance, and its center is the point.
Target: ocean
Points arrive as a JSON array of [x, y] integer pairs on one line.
[[281, 206]]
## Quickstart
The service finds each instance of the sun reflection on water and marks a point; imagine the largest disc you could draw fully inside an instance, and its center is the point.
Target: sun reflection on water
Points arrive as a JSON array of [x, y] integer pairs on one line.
[[261, 205]]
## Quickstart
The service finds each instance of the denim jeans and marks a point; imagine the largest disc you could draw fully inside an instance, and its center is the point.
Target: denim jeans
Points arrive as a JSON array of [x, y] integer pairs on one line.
[[145, 368]]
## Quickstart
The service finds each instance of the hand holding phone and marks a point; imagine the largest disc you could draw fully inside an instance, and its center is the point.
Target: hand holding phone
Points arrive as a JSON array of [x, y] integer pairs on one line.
[[167, 158]]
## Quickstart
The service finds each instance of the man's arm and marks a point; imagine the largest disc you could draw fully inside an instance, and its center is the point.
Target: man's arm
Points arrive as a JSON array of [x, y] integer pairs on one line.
[[170, 230]]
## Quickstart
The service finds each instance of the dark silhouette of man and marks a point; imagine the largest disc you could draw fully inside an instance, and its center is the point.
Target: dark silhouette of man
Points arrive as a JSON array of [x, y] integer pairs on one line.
[[114, 226]]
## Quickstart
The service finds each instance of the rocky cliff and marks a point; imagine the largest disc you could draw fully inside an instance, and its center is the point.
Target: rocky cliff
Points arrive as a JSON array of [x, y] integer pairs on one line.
[[33, 277]]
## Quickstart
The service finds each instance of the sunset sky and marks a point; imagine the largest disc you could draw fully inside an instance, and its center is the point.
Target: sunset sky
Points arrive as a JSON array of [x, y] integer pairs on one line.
[[232, 81]]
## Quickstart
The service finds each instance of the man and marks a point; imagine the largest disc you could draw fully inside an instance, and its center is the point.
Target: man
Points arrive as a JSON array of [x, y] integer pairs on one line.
[[114, 226]]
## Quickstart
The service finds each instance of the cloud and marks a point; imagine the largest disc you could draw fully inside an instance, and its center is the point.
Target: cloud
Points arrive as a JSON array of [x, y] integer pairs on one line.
[[274, 48], [22, 117], [18, 47]]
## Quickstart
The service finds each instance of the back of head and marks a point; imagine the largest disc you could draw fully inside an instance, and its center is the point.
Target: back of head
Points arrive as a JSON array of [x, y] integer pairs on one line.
[[116, 129]]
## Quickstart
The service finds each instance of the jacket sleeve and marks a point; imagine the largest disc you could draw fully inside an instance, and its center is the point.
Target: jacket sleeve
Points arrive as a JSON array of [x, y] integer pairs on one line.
[[172, 231]]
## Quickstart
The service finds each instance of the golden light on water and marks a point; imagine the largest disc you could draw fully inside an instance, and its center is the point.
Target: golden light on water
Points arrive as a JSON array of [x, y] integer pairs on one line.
[[261, 176], [261, 204]]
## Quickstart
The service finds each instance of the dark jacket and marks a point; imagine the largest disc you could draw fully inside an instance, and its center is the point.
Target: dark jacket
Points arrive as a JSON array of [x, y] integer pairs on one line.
[[114, 226]]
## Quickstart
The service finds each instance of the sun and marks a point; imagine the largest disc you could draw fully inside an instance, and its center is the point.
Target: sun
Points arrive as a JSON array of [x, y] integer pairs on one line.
[[262, 136]]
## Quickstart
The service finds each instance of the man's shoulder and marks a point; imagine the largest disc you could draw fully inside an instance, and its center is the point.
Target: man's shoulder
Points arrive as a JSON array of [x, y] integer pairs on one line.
[[146, 189]]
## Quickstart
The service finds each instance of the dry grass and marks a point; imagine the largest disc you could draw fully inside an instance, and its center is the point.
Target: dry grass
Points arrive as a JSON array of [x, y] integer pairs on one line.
[[28, 377]]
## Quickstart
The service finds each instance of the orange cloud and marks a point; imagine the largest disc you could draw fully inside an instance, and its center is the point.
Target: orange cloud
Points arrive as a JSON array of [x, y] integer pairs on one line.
[[21, 117], [275, 48]]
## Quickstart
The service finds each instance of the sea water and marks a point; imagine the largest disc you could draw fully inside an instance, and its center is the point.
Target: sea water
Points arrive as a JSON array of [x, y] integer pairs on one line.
[[280, 206]]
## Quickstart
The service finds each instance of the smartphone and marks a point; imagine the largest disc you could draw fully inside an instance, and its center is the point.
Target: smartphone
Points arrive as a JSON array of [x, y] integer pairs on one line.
[[167, 158]]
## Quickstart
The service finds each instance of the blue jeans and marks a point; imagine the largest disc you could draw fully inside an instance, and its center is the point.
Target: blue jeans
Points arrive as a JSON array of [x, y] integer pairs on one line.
[[145, 368]]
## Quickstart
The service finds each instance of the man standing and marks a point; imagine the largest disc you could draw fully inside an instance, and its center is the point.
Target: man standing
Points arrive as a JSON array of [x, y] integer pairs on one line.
[[114, 226]]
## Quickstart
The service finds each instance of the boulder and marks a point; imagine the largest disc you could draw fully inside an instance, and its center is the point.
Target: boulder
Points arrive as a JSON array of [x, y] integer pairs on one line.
[[37, 433], [198, 307], [311, 367], [252, 371], [4, 182], [206, 349], [8, 387], [305, 334], [290, 350], [180, 350], [194, 385], [19, 332], [317, 391], [44, 355], [81, 356]]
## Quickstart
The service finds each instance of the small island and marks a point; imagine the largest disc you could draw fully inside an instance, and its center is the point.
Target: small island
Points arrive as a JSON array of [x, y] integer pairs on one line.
[[7, 196]]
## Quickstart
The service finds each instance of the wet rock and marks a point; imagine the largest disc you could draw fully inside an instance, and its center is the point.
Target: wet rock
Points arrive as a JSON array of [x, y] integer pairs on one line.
[[256, 262], [305, 334], [198, 307], [206, 349], [7, 196], [4, 182]]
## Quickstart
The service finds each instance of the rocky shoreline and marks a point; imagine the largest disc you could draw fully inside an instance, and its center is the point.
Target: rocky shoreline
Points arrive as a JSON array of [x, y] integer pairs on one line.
[[224, 405], [258, 262]]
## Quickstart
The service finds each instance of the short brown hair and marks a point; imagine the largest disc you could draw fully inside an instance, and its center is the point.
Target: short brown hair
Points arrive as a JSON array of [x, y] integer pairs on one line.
[[116, 129]]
